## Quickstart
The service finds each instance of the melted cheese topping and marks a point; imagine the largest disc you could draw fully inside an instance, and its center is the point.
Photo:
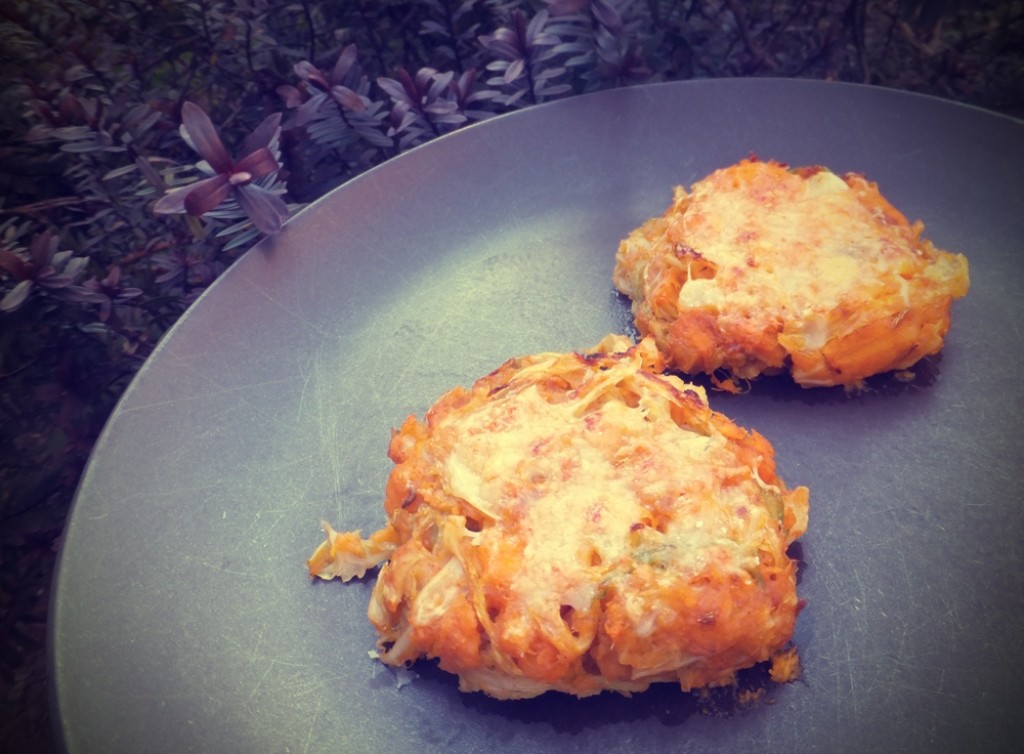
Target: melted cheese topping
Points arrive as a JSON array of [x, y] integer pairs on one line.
[[580, 487], [803, 246], [580, 523], [762, 269]]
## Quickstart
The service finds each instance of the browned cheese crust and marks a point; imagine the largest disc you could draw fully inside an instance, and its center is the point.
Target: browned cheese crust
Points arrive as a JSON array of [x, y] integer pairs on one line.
[[579, 523], [762, 269]]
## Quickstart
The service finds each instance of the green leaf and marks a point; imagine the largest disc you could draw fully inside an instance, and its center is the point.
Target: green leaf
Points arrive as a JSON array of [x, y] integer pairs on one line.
[[16, 296], [118, 172]]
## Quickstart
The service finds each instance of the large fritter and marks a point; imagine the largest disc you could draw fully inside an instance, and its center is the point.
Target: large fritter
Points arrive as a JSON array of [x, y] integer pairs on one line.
[[762, 269], [579, 522]]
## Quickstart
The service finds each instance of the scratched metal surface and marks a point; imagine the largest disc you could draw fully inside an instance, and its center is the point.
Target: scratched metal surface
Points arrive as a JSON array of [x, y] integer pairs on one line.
[[183, 618]]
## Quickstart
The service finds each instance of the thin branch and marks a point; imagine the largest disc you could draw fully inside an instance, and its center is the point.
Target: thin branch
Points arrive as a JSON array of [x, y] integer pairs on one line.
[[856, 15], [45, 204], [311, 55]]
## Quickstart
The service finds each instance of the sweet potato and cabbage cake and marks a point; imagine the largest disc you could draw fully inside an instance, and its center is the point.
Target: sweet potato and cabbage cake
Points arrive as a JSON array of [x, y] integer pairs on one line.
[[762, 269], [580, 522]]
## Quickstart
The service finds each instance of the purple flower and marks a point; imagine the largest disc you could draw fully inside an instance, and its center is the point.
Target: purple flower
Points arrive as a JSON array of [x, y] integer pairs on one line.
[[229, 179]]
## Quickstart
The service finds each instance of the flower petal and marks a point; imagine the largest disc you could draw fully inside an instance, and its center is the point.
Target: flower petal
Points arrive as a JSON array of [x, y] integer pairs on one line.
[[204, 137]]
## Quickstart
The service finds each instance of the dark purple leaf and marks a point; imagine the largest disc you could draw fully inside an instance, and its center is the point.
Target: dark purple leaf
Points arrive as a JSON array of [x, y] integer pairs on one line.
[[371, 133], [556, 91], [14, 265], [257, 164], [290, 95], [440, 107], [450, 119], [394, 89], [204, 137], [607, 16], [413, 88], [401, 118], [42, 248], [151, 119], [85, 294], [207, 194], [172, 202], [55, 280], [307, 110], [549, 73], [465, 83], [264, 134], [500, 45], [567, 7], [137, 116], [266, 210], [39, 132], [439, 83], [433, 27], [534, 28], [346, 60], [347, 98], [113, 278], [514, 70], [311, 74]]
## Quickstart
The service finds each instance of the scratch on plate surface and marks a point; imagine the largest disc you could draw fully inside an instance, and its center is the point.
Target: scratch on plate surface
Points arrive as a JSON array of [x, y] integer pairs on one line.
[[217, 390], [312, 325], [325, 386], [273, 665], [256, 655], [313, 717]]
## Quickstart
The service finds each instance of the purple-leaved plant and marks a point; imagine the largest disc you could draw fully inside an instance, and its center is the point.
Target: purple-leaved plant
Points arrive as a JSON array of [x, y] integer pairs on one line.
[[40, 268], [249, 181]]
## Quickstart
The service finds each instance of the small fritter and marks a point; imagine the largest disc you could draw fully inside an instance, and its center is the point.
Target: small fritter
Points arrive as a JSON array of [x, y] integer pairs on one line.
[[762, 269], [580, 522]]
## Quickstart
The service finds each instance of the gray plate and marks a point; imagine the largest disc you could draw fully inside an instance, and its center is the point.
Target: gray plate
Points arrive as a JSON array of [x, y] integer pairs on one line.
[[184, 619]]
